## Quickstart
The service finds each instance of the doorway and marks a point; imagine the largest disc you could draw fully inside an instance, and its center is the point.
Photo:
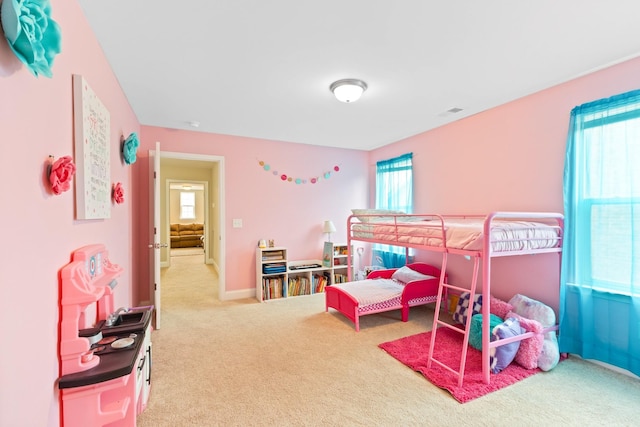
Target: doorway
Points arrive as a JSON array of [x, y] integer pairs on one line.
[[207, 171], [187, 211]]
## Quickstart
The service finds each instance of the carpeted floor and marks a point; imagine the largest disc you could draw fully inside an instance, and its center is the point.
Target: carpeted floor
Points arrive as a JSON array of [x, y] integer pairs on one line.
[[187, 251], [289, 363]]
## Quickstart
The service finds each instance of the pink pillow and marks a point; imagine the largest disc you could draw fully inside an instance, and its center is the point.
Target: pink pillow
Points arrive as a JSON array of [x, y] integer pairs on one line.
[[530, 349], [499, 308]]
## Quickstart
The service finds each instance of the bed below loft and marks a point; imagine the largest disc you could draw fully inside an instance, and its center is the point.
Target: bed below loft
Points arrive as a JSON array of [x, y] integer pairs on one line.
[[385, 290], [478, 237]]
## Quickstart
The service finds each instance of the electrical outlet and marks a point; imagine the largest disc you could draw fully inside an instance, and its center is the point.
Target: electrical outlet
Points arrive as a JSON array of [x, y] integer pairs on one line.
[[237, 223]]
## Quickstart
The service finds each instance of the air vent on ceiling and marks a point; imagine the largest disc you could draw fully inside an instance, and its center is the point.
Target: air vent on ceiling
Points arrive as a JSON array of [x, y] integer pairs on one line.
[[450, 111]]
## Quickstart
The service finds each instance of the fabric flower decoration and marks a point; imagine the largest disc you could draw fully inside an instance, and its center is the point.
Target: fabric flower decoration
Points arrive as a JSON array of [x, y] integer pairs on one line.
[[129, 148], [117, 194], [61, 173], [32, 35]]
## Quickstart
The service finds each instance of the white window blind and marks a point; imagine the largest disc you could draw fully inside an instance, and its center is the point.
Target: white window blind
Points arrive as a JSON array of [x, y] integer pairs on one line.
[[187, 205]]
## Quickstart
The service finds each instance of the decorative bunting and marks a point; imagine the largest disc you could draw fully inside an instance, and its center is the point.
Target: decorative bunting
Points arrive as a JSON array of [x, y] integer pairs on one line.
[[286, 178]]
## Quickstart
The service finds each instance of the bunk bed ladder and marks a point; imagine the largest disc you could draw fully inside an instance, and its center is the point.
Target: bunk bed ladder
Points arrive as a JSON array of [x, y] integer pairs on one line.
[[442, 291]]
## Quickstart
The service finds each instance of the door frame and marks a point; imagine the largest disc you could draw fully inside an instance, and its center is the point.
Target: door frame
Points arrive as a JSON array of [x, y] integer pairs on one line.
[[221, 261], [167, 213]]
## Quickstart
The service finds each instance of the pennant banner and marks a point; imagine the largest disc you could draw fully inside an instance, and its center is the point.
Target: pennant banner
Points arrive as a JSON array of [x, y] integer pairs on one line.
[[288, 178]]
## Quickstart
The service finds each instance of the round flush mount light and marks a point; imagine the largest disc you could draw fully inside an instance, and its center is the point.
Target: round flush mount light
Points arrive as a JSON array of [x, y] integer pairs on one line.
[[348, 90]]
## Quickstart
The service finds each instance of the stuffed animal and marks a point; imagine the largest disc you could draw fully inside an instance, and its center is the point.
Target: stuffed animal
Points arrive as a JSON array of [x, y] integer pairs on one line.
[[532, 309]]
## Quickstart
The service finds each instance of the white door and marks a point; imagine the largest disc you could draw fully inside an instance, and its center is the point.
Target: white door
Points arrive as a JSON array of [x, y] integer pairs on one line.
[[154, 191]]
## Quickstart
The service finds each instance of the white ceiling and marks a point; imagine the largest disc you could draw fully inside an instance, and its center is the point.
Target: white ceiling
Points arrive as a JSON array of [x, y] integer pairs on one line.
[[262, 68]]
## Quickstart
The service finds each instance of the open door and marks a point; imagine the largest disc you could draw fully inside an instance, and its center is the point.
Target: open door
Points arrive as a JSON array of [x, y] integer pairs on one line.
[[154, 191]]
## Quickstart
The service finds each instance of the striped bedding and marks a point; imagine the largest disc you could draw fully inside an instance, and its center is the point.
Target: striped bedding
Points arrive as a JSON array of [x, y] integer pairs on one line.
[[378, 294], [461, 233]]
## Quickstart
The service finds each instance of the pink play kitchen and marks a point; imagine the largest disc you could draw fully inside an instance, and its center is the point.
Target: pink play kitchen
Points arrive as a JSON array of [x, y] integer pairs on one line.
[[105, 353]]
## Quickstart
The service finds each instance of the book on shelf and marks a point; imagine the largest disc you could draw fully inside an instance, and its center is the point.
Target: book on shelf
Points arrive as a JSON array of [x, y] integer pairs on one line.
[[274, 268], [272, 287], [298, 286], [320, 281], [273, 256], [340, 278]]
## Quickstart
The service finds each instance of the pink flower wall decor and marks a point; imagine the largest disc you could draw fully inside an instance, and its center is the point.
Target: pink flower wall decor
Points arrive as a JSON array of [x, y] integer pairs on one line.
[[62, 170], [118, 193]]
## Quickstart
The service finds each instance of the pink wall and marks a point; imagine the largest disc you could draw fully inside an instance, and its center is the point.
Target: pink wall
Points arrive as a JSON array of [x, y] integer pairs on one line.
[[507, 158], [291, 214], [39, 230]]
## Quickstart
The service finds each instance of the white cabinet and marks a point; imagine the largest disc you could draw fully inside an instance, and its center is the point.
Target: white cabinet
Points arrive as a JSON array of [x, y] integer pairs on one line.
[[143, 372], [277, 277], [271, 273], [335, 255], [307, 277]]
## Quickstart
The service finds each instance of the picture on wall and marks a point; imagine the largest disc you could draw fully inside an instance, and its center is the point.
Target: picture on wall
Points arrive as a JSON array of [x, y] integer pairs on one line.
[[92, 129], [327, 254]]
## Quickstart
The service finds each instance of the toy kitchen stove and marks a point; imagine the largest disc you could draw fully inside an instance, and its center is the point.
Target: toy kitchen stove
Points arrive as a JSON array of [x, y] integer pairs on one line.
[[105, 355]]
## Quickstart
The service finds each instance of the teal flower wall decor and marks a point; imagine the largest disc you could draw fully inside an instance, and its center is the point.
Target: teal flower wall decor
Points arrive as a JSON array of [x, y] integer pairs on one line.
[[129, 148], [32, 35]]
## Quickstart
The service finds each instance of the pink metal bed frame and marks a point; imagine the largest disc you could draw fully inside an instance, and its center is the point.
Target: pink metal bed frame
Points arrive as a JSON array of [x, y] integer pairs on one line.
[[400, 230], [417, 292]]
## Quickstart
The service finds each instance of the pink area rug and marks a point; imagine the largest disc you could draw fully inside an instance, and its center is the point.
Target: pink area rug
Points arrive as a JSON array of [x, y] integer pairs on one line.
[[413, 351]]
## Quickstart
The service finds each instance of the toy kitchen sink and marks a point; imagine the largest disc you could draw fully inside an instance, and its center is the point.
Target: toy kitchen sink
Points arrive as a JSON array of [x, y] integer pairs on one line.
[[135, 319]]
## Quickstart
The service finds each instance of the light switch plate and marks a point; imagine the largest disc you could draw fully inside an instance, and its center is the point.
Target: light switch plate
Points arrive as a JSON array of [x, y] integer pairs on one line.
[[237, 223]]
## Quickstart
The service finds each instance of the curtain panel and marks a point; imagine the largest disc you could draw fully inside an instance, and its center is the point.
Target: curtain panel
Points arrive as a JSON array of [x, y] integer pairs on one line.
[[600, 279], [394, 190]]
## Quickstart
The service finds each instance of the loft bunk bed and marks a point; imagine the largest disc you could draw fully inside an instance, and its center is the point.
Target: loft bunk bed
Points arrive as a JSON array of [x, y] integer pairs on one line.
[[479, 237]]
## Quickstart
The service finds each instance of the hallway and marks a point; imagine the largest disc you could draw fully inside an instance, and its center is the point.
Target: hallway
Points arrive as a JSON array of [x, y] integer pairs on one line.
[[189, 282]]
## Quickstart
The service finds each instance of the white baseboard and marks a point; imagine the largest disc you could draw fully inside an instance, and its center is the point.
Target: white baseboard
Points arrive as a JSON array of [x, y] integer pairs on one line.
[[610, 367], [240, 294]]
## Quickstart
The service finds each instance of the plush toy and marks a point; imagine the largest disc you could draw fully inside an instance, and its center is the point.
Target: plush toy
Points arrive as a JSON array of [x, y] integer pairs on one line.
[[530, 348], [475, 330], [532, 309]]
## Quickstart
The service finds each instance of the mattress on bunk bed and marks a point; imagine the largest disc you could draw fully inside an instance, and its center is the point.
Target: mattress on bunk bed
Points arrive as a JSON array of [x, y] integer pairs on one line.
[[377, 294], [461, 233]]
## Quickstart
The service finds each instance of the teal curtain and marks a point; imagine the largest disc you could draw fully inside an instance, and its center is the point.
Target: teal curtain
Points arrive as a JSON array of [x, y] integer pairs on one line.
[[394, 190], [600, 279]]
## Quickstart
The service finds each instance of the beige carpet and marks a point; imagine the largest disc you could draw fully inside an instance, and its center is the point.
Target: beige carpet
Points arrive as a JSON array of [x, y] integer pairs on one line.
[[288, 363], [186, 251]]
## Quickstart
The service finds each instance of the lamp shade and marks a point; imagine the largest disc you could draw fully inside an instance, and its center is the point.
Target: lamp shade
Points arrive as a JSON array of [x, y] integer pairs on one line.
[[328, 227], [348, 90]]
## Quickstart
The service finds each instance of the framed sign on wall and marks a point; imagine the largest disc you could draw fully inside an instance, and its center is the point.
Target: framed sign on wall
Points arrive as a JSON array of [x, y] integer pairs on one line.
[[92, 128]]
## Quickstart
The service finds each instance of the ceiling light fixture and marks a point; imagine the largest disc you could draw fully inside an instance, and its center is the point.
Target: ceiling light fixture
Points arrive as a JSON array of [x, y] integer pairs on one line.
[[348, 90]]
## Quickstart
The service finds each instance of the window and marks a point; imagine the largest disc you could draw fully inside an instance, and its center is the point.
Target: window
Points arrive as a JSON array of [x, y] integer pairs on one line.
[[394, 184], [394, 190], [600, 278], [187, 205], [607, 193]]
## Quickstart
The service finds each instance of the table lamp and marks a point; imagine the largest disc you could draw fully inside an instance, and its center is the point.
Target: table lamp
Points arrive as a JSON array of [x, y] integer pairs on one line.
[[328, 228]]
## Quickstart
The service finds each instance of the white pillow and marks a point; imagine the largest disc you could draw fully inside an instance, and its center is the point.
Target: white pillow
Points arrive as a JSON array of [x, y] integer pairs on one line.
[[358, 212], [406, 275]]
